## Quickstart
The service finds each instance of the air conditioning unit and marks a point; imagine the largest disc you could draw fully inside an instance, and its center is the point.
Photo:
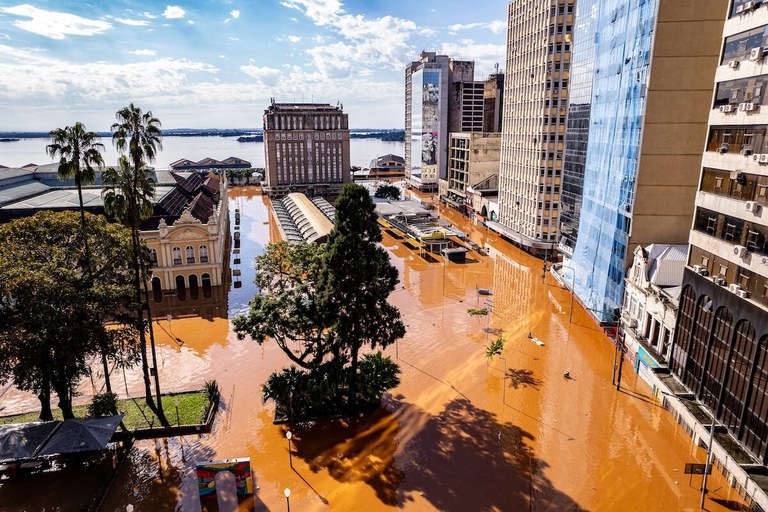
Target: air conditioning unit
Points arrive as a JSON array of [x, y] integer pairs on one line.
[[733, 64], [764, 158], [740, 9], [739, 250], [632, 323], [700, 269], [756, 157], [734, 287], [742, 106], [722, 149], [764, 260], [756, 53], [719, 281], [744, 294], [746, 151], [748, 6], [751, 206], [750, 107], [727, 109], [737, 175]]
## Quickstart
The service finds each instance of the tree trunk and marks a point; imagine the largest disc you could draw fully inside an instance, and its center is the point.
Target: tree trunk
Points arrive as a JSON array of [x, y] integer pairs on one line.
[[82, 225], [107, 383], [46, 414], [353, 381], [160, 413], [65, 401]]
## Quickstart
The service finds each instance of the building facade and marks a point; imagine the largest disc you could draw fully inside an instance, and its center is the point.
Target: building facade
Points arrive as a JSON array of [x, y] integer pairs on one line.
[[582, 71], [533, 125], [306, 148], [493, 100], [472, 157], [652, 288], [440, 96], [720, 349], [645, 133]]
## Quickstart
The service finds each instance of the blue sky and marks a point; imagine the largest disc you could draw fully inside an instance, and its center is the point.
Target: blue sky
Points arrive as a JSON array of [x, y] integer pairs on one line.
[[216, 64]]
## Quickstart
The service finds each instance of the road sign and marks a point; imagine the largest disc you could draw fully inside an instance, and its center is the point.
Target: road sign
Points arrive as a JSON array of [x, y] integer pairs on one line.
[[697, 469]]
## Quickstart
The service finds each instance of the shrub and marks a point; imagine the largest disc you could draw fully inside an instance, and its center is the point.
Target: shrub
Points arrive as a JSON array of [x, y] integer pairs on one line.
[[103, 404]]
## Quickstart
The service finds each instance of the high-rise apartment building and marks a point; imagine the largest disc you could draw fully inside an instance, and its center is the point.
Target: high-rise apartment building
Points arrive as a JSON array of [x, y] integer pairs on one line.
[[533, 125], [306, 147], [720, 348], [440, 96], [642, 117], [493, 99]]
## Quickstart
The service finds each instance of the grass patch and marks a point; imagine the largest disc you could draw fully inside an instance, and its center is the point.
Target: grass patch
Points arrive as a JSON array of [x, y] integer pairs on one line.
[[192, 408]]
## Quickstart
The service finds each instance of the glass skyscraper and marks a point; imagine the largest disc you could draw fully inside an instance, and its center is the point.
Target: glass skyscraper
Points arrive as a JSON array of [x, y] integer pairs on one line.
[[623, 34], [580, 102]]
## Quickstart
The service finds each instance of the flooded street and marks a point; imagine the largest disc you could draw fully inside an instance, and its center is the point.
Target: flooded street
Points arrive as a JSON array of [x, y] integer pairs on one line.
[[461, 433]]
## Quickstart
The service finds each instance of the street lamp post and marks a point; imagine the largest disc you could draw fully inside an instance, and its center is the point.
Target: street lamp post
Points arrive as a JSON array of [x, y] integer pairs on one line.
[[573, 290], [708, 459], [289, 435], [287, 493]]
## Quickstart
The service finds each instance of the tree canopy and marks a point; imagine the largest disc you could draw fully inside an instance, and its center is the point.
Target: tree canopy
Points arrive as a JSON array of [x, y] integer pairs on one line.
[[390, 192], [53, 318], [323, 304]]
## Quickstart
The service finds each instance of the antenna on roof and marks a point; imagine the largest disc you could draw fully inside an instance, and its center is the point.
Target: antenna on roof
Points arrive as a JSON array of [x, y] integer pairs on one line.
[[496, 67]]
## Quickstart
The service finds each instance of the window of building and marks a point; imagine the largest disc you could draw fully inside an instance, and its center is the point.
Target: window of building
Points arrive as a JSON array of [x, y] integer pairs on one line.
[[719, 183], [176, 255], [153, 257], [723, 270], [190, 254], [203, 254]]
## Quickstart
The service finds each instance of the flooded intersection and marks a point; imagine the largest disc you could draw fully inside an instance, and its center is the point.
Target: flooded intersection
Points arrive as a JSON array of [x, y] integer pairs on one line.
[[460, 433]]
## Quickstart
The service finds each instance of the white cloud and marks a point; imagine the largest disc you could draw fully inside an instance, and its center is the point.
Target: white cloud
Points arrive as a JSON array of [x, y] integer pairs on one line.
[[234, 38], [484, 55], [496, 26], [4, 36], [381, 40], [148, 15], [294, 39], [265, 75], [133, 23], [293, 19], [56, 25], [172, 12], [235, 14], [32, 75], [144, 53], [190, 22]]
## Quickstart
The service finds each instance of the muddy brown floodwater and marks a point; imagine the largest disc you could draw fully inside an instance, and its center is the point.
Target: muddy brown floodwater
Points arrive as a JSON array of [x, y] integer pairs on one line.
[[456, 435]]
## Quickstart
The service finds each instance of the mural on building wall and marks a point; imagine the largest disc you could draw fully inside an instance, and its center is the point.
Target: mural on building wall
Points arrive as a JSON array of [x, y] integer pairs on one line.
[[431, 117], [207, 471]]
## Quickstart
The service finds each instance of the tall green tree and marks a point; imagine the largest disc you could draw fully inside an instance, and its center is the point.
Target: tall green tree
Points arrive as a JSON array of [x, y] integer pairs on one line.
[[323, 305], [53, 317], [138, 136], [356, 280], [128, 198], [79, 153]]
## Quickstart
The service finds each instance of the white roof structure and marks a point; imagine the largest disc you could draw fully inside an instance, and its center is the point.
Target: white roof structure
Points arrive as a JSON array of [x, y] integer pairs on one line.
[[666, 264]]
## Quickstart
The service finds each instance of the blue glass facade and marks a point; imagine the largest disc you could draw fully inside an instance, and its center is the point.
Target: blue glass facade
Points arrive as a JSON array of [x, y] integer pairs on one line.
[[623, 34], [582, 70]]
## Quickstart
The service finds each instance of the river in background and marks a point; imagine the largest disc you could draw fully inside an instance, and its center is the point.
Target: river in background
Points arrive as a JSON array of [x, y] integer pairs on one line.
[[25, 151]]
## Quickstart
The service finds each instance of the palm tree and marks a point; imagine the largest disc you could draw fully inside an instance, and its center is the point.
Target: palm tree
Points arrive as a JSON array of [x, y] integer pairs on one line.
[[137, 135], [78, 151]]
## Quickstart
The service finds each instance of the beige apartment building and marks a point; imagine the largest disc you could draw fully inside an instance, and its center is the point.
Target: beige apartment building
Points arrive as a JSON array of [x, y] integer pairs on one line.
[[306, 148], [472, 157], [534, 121]]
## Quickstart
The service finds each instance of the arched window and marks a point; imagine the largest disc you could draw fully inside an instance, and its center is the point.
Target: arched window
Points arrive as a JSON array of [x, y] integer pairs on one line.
[[754, 430], [190, 254], [177, 255], [739, 368], [697, 347], [684, 327], [153, 257], [206, 281], [717, 356], [180, 283], [194, 289], [203, 254], [157, 289]]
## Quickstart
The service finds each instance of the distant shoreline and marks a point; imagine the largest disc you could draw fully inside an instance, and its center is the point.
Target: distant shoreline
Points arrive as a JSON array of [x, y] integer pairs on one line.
[[247, 135]]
